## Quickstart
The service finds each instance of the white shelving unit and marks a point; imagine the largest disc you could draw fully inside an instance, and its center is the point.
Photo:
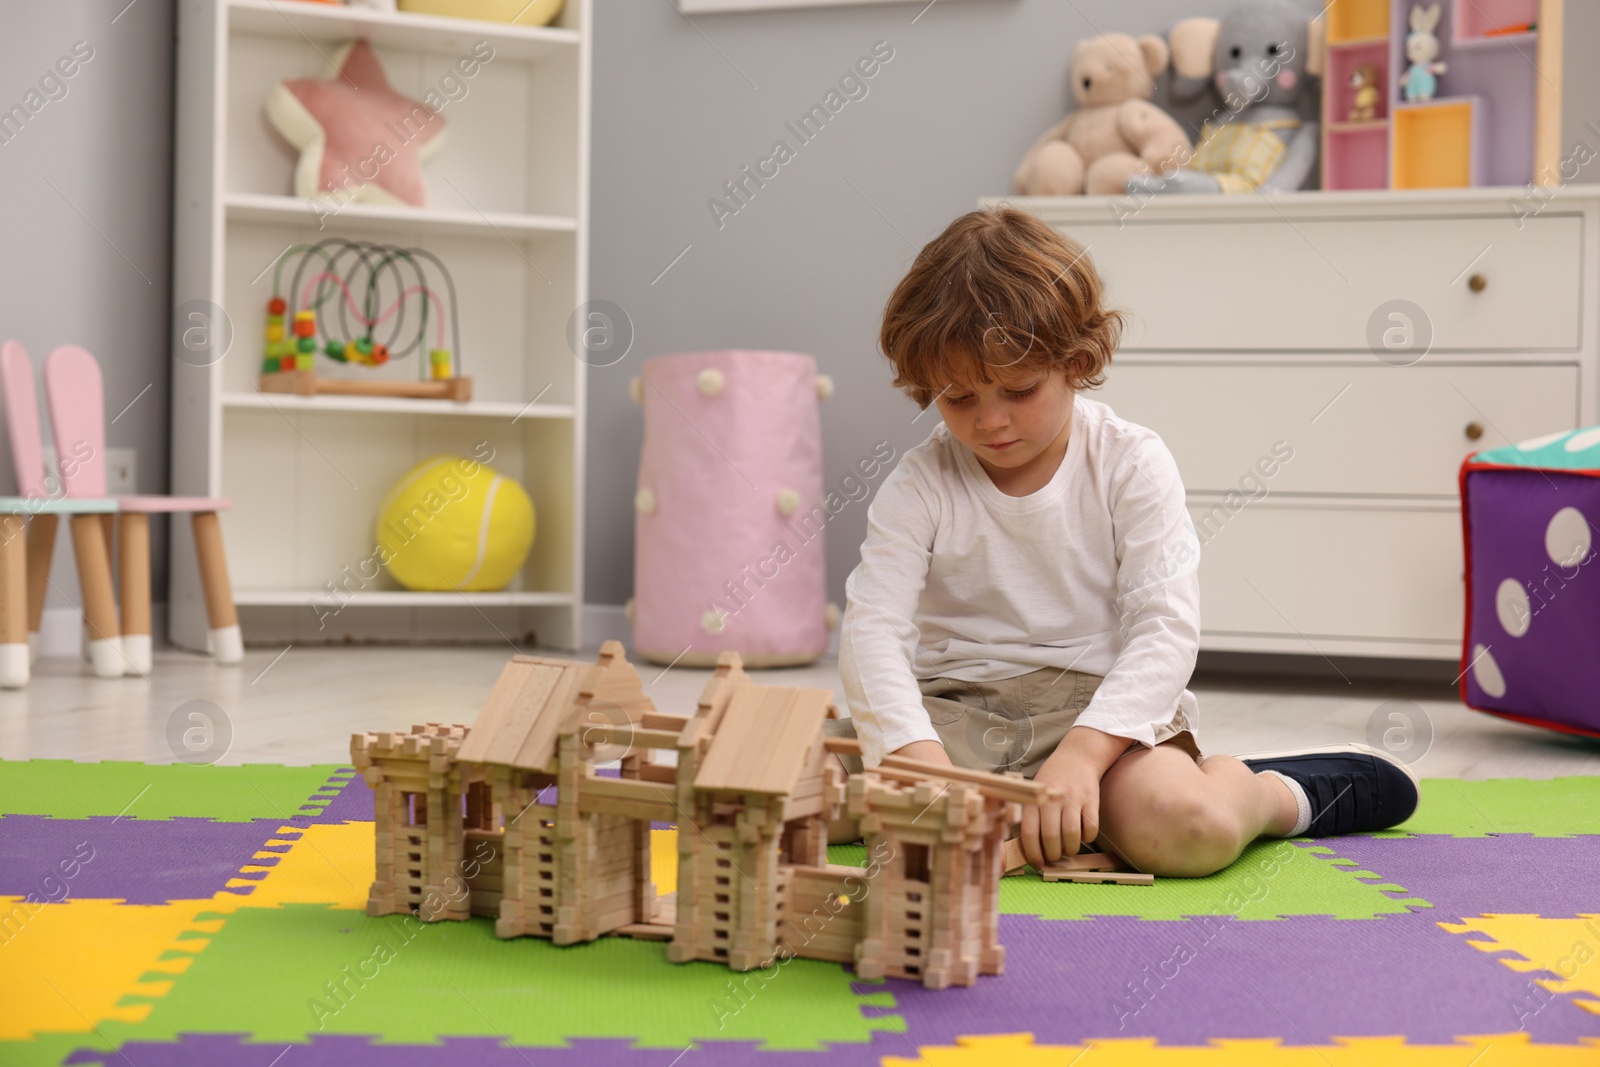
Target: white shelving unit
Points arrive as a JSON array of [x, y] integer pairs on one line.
[[507, 214]]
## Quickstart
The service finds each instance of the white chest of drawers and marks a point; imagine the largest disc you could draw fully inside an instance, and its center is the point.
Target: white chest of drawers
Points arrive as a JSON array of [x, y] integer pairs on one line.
[[1380, 336]]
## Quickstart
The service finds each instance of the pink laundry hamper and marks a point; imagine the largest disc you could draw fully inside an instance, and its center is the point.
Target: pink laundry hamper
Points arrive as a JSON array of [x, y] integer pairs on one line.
[[728, 546]]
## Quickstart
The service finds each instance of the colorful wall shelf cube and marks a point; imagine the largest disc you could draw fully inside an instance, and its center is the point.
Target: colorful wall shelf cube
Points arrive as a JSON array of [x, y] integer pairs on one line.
[[1496, 120], [1439, 144]]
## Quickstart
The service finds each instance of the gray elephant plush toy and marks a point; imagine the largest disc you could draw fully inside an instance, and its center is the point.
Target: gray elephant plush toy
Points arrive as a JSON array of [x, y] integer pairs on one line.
[[1260, 58]]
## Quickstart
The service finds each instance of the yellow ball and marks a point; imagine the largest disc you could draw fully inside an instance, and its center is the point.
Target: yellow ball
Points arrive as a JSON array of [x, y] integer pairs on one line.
[[454, 524]]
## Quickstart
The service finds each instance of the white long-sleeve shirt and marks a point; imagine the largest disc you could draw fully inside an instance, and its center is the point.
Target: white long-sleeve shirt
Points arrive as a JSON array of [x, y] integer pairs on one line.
[[1097, 571]]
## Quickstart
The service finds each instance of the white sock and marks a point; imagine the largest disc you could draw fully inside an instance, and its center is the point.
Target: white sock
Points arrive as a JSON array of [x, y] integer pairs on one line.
[[1302, 803]]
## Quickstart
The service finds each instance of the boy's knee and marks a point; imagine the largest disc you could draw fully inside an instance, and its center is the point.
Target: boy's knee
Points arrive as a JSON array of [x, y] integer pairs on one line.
[[1183, 835], [1199, 815]]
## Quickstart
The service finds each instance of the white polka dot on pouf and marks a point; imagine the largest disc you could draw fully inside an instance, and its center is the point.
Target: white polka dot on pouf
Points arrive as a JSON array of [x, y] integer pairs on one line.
[[1511, 604], [636, 390], [1486, 672], [1567, 538], [788, 501], [824, 386], [627, 609], [1537, 443], [644, 501], [830, 615], [1582, 442], [710, 381], [713, 622]]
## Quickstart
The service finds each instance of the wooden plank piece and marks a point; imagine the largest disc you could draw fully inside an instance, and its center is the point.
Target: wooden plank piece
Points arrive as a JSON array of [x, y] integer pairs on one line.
[[1087, 861], [627, 735], [646, 931], [1112, 877], [1019, 790], [842, 746]]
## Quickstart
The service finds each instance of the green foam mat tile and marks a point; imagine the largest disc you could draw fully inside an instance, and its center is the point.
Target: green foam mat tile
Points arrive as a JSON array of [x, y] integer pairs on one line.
[[312, 969], [65, 789], [1272, 880], [51, 1050], [1553, 807]]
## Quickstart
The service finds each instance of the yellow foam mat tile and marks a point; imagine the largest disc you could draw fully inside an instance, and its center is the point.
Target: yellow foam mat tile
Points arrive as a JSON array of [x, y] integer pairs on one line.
[[1018, 1050], [664, 860], [330, 863], [67, 967], [1568, 948]]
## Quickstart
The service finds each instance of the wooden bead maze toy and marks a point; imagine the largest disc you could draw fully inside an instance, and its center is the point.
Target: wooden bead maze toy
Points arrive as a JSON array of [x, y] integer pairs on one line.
[[353, 310]]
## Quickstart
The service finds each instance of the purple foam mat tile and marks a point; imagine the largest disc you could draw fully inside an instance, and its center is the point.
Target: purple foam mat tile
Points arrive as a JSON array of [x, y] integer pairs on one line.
[[1303, 980], [1506, 874], [134, 860], [208, 1050], [352, 802]]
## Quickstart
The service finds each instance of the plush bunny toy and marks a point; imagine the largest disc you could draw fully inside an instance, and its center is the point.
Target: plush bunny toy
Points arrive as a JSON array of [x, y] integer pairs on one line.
[[1260, 58], [1422, 50]]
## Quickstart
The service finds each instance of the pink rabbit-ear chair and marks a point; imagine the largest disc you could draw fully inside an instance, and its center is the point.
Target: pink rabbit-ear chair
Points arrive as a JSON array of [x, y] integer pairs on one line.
[[75, 396]]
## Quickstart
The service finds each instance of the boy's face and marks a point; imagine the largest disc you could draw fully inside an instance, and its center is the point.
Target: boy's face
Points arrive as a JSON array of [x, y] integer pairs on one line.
[[1013, 424]]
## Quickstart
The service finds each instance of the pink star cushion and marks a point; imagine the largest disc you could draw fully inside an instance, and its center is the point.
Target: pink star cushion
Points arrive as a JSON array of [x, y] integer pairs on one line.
[[358, 138]]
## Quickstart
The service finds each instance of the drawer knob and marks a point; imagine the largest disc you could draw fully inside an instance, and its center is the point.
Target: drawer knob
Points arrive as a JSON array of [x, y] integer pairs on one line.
[[1474, 431], [1477, 283]]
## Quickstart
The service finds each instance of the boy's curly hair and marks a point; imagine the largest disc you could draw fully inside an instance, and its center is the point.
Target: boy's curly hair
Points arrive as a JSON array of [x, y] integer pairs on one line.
[[998, 288]]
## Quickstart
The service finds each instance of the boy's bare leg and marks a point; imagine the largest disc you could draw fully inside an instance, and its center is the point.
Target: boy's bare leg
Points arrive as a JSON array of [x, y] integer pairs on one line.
[[1167, 815]]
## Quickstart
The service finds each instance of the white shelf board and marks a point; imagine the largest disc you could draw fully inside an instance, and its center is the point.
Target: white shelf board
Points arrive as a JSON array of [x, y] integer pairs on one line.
[[383, 218], [400, 29], [491, 409], [398, 598]]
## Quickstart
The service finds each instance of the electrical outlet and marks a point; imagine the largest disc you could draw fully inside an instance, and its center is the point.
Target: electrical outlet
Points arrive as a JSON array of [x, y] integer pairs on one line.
[[122, 468]]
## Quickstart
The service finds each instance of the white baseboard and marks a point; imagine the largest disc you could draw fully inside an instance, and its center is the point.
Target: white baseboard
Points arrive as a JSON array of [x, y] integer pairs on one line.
[[603, 622], [61, 631]]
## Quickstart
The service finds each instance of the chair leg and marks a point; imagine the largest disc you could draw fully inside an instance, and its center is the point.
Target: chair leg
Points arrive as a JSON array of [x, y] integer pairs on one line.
[[13, 602], [133, 544], [227, 643], [99, 599], [41, 549], [108, 528]]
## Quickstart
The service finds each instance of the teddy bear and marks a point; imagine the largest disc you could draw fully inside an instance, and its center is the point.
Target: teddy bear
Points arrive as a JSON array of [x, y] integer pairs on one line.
[[1116, 132]]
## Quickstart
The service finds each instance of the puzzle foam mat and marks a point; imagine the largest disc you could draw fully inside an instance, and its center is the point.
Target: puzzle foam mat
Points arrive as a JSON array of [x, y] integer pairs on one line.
[[179, 915]]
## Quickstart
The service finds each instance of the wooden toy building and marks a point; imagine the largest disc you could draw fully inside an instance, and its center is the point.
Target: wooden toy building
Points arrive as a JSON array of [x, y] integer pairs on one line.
[[514, 818]]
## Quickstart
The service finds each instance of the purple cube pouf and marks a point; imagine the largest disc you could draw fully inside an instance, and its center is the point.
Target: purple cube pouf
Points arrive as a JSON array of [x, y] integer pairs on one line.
[[1532, 648]]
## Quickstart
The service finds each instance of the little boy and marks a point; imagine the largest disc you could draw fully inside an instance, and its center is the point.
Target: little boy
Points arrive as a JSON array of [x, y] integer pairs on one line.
[[1027, 598]]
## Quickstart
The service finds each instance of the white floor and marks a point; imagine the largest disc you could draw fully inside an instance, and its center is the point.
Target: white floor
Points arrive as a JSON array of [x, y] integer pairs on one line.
[[301, 706]]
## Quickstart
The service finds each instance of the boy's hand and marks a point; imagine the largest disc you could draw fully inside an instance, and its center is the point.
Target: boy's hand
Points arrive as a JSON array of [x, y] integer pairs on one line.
[[1053, 830]]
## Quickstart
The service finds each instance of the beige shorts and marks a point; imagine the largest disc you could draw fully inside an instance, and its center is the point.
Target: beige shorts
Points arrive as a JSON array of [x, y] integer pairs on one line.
[[1013, 724]]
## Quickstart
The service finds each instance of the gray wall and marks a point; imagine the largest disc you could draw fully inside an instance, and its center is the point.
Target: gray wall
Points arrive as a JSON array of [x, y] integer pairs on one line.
[[806, 266], [681, 106], [85, 231]]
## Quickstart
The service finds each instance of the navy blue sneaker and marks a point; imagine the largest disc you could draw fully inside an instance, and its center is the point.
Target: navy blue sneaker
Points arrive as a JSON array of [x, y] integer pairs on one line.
[[1353, 789]]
